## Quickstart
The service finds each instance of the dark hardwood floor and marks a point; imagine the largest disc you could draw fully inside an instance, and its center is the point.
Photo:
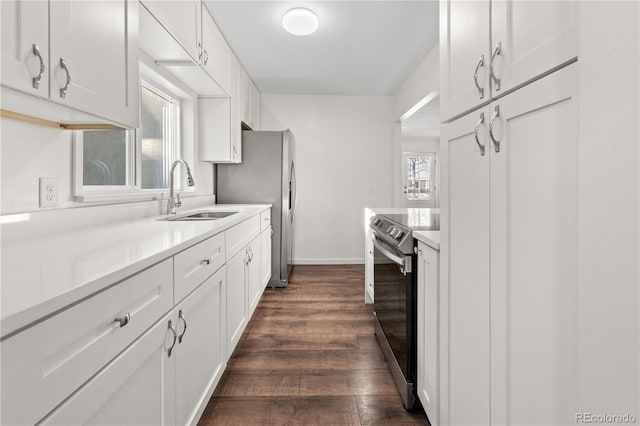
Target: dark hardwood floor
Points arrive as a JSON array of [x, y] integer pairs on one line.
[[310, 356]]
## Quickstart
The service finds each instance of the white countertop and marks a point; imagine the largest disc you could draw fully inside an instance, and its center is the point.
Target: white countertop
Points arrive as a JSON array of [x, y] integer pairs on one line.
[[43, 275], [430, 238]]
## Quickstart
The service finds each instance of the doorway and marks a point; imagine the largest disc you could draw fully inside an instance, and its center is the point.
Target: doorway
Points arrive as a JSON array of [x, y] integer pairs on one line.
[[419, 186]]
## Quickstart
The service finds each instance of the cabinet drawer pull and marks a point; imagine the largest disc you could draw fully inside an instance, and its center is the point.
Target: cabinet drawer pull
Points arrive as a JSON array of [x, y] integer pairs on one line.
[[206, 261], [184, 320], [495, 53], [175, 336], [206, 57], [36, 79], [63, 91], [475, 77], [475, 134], [496, 114], [123, 320], [199, 51]]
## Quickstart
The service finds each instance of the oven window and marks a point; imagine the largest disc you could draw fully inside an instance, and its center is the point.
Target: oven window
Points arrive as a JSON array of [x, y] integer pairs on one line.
[[390, 304]]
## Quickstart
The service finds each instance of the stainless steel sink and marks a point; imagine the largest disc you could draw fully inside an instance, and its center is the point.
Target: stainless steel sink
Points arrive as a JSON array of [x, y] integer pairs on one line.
[[207, 215]]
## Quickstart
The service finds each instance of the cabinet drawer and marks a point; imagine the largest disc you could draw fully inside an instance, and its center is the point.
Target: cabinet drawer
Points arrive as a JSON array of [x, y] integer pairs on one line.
[[196, 264], [265, 220], [44, 364], [242, 234]]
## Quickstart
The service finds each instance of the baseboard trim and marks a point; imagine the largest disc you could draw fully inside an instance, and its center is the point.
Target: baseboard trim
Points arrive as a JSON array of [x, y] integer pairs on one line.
[[329, 261]]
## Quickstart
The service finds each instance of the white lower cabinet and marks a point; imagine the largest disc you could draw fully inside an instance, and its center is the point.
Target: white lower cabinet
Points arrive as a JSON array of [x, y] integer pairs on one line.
[[429, 331], [509, 246], [237, 314], [199, 351], [137, 388], [254, 276], [265, 256]]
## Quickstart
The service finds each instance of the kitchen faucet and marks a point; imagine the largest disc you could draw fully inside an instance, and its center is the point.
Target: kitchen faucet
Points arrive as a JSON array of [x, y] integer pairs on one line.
[[171, 202]]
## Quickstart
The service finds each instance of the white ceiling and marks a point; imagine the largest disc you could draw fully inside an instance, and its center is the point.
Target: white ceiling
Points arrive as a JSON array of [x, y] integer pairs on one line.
[[361, 47], [424, 123]]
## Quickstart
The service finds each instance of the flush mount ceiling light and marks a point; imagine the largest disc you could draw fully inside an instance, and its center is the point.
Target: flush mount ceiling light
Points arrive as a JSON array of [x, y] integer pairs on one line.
[[300, 22]]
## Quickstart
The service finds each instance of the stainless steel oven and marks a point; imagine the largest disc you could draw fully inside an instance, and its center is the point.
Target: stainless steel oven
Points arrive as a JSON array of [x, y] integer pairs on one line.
[[395, 295]]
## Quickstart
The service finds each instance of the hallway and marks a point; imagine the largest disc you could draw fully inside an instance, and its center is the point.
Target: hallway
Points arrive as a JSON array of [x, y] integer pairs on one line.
[[310, 356]]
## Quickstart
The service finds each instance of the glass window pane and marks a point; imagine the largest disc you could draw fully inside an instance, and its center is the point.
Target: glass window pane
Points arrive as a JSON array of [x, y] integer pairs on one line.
[[156, 113], [104, 157], [419, 183]]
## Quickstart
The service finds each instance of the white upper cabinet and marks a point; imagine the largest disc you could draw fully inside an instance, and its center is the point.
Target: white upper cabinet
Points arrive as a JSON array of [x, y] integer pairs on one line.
[[25, 55], [464, 55], [530, 38], [254, 100], [94, 57], [244, 95], [488, 48], [182, 19], [216, 54], [83, 55]]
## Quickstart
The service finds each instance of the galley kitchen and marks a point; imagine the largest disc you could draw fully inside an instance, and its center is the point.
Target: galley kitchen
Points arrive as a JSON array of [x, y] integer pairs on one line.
[[320, 212]]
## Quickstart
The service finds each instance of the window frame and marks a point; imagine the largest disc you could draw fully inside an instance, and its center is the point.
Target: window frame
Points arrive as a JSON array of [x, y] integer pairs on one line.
[[166, 87]]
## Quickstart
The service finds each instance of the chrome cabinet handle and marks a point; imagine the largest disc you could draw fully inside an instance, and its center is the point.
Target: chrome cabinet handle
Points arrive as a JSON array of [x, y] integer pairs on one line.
[[250, 255], [175, 336], [63, 91], [206, 56], [36, 80], [184, 320], [206, 261], [496, 114], [475, 134], [495, 53], [475, 77], [199, 51], [123, 320]]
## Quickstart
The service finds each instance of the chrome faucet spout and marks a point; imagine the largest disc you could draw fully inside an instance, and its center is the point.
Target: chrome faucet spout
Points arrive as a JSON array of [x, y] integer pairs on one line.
[[174, 202]]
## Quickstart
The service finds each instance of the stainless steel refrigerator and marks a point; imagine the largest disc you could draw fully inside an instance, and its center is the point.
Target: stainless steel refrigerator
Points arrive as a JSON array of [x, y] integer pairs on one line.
[[266, 175]]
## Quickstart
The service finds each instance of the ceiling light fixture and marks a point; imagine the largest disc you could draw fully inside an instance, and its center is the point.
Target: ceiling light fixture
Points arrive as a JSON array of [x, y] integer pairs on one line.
[[300, 21]]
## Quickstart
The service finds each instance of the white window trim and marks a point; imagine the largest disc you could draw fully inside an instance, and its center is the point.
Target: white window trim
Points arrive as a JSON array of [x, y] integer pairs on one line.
[[166, 86]]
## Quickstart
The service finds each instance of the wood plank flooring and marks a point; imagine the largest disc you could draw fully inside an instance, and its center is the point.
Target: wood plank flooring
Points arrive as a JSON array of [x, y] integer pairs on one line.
[[309, 356]]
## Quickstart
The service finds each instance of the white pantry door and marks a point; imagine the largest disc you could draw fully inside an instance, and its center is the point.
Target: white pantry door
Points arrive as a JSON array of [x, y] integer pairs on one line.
[[534, 253], [465, 363]]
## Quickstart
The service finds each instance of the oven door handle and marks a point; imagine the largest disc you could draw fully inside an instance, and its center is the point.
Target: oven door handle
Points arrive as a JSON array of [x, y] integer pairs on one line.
[[387, 252]]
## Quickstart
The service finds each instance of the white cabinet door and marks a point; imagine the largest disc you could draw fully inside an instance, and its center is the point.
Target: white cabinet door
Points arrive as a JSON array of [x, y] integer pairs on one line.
[[245, 97], [464, 49], [183, 21], [94, 57], [254, 97], [465, 277], [136, 388], [25, 46], [200, 357], [216, 56], [254, 276], [534, 37], [429, 331], [236, 125], [237, 315], [368, 266], [534, 253], [265, 257]]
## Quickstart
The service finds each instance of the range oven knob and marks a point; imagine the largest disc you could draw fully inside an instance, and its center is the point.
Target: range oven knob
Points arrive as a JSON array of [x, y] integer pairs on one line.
[[399, 235], [377, 222]]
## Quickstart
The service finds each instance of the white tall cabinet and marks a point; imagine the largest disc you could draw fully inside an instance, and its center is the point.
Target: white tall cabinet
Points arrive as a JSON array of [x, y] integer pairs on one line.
[[536, 178], [488, 48]]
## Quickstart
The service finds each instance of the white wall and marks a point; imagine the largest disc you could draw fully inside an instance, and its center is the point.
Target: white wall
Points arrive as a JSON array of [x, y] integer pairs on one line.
[[609, 206], [28, 152], [343, 154], [423, 82]]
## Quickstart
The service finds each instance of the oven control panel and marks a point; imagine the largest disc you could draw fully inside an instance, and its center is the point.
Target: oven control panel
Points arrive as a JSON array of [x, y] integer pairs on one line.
[[394, 234]]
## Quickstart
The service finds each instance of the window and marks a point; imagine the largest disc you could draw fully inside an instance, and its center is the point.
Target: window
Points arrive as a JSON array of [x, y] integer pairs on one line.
[[125, 163], [419, 173]]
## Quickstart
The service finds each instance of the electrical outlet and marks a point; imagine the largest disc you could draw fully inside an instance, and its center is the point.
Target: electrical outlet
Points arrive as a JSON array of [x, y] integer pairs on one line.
[[48, 192]]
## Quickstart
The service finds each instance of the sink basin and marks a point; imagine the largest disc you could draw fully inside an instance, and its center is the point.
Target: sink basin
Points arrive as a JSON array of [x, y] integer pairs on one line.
[[207, 215]]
